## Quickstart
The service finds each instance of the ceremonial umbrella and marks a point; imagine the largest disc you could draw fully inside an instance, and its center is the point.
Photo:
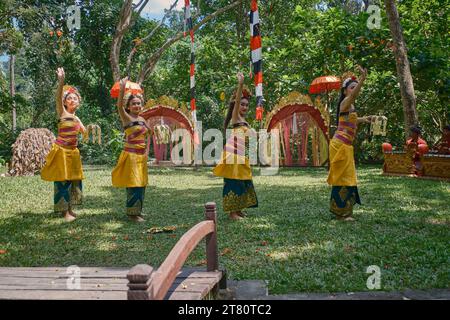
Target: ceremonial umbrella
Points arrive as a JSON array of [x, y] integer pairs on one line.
[[135, 88], [325, 84]]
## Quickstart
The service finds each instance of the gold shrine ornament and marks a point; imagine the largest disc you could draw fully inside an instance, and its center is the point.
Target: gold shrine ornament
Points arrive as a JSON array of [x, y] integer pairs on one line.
[[162, 134], [96, 134], [378, 126]]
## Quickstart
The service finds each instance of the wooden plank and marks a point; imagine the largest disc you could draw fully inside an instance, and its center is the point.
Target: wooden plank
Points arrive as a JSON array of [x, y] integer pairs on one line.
[[57, 272], [193, 273], [185, 296], [62, 284], [31, 281], [96, 283], [64, 287], [196, 280], [60, 276], [63, 269], [193, 287], [62, 295], [201, 274], [62, 273]]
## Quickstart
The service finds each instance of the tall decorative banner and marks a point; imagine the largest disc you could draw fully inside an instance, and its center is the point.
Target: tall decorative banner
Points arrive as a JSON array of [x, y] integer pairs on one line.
[[256, 57], [188, 23]]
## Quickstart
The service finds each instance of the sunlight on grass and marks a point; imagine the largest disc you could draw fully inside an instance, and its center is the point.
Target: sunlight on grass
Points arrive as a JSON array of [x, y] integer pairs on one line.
[[290, 240]]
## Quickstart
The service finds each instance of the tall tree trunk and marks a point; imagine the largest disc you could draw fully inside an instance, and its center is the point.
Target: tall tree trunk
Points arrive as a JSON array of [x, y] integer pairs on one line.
[[122, 27], [403, 68], [12, 90]]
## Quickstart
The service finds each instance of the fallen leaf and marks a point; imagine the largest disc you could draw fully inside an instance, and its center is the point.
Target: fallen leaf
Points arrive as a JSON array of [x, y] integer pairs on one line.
[[264, 243], [154, 230], [126, 237], [202, 263], [114, 238], [225, 251], [172, 235], [169, 229], [3, 251]]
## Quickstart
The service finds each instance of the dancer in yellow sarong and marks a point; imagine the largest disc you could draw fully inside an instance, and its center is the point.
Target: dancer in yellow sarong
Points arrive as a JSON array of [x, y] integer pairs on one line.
[[63, 163], [131, 169], [238, 191], [342, 174]]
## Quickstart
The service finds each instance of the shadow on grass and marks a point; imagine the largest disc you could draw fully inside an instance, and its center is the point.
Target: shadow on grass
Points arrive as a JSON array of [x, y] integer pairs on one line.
[[290, 239]]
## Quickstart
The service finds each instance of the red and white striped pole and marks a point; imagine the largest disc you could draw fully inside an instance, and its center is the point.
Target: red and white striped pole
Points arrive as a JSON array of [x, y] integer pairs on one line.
[[256, 57]]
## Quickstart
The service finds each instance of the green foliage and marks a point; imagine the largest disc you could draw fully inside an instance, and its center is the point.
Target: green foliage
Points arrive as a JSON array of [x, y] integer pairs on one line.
[[301, 41], [106, 153], [7, 138]]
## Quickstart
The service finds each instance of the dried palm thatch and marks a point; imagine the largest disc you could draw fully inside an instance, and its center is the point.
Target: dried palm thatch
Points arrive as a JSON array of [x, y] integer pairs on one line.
[[30, 150]]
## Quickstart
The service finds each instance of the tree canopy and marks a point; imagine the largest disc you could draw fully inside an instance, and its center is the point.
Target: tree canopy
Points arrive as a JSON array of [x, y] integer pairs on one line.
[[300, 41]]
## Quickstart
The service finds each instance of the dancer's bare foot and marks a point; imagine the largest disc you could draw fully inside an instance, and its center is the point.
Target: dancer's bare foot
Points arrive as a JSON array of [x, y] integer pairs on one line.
[[347, 218], [68, 217], [241, 214], [235, 216], [72, 213], [136, 218]]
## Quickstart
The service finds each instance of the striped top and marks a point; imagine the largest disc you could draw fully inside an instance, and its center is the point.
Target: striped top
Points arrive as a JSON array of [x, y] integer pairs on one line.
[[135, 133], [347, 126], [236, 143], [68, 129]]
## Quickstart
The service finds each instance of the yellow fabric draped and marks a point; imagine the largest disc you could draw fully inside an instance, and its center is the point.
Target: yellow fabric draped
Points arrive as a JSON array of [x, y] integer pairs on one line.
[[63, 162], [342, 163], [234, 164], [131, 169]]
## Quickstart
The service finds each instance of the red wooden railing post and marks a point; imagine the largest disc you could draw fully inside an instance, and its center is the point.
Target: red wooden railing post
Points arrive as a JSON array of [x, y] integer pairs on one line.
[[212, 258], [140, 286]]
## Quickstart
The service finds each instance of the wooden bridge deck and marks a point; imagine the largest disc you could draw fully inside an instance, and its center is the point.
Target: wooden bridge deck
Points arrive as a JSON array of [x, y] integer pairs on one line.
[[96, 284]]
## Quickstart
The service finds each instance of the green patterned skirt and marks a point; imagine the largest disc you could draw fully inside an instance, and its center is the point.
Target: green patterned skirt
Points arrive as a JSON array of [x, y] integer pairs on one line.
[[135, 200], [67, 194], [343, 199], [238, 195]]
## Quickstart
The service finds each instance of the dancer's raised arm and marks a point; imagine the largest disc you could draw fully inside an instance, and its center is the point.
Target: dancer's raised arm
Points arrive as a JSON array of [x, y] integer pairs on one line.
[[350, 99], [237, 103], [120, 104], [59, 92]]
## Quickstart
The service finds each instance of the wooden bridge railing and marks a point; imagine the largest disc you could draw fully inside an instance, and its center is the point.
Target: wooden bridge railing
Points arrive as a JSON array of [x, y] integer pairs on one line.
[[148, 284]]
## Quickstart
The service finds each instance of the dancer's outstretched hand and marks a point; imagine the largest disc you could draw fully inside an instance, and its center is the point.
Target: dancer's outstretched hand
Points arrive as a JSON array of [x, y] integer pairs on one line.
[[240, 77], [123, 83], [61, 74], [363, 72]]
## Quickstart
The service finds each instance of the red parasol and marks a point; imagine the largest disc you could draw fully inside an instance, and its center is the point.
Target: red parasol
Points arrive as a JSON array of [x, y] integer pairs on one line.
[[135, 88], [324, 84]]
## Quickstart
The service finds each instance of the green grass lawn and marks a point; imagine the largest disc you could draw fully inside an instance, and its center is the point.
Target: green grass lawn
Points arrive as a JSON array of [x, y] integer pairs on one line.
[[290, 240]]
